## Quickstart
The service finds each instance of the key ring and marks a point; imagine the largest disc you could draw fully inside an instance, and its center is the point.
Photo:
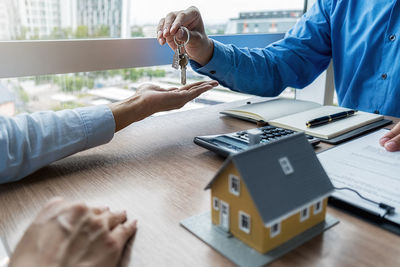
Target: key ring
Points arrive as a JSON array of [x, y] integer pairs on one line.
[[188, 37]]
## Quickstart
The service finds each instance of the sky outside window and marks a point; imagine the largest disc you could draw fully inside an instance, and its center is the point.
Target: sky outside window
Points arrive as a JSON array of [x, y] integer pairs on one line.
[[71, 19]]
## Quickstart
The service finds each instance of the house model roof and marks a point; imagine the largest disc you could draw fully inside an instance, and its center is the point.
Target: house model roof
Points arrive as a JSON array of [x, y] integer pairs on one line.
[[279, 190]]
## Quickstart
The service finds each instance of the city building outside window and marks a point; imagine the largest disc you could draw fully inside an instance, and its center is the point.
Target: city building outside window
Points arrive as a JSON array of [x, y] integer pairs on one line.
[[119, 19]]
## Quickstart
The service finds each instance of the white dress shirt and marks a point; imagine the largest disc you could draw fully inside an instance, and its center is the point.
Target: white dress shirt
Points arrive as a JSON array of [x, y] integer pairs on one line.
[[31, 141]]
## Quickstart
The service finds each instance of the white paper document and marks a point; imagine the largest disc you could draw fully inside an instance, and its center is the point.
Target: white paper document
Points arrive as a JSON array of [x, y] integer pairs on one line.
[[365, 166]]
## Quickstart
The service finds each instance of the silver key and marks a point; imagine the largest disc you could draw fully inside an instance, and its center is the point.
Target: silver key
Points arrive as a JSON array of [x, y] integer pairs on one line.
[[180, 57], [176, 58], [183, 63]]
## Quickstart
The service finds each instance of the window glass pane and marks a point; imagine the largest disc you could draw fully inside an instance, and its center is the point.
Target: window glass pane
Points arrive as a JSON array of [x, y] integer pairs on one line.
[[234, 185], [245, 222], [71, 19], [56, 92]]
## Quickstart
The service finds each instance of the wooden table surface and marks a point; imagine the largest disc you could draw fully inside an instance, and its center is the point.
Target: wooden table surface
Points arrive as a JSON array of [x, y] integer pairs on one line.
[[155, 171]]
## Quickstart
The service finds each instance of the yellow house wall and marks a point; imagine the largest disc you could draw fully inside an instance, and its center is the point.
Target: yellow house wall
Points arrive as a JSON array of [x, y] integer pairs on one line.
[[259, 236], [292, 226], [243, 202]]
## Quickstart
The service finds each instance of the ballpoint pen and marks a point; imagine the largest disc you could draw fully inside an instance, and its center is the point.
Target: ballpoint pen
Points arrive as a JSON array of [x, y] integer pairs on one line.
[[330, 118]]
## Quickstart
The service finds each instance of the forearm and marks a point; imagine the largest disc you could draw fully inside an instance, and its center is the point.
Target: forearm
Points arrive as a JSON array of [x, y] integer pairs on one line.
[[294, 61], [130, 110], [31, 141], [242, 69]]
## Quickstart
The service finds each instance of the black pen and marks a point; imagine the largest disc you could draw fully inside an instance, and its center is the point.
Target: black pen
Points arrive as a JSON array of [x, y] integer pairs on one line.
[[330, 118]]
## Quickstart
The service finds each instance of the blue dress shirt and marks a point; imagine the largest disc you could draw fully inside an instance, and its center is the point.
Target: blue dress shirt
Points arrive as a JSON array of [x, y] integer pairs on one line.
[[31, 141], [362, 37]]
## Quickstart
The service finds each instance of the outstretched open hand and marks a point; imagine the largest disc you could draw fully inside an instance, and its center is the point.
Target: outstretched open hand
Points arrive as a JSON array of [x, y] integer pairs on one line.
[[172, 98], [150, 99]]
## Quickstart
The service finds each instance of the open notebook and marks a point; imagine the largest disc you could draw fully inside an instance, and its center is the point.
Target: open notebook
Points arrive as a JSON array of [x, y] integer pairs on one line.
[[293, 114]]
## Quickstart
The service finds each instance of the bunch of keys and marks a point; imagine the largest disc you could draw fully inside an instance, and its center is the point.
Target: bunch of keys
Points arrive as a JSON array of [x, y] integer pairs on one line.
[[181, 59]]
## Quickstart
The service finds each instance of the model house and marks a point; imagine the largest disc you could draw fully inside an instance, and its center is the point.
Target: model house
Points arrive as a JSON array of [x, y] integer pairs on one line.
[[269, 194]]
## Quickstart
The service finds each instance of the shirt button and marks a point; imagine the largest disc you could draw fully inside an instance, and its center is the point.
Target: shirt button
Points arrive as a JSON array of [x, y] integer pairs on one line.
[[384, 76], [392, 37], [376, 111], [213, 72]]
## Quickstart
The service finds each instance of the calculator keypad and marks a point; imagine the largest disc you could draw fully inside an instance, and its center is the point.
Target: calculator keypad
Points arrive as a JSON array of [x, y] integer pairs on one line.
[[236, 142], [269, 134]]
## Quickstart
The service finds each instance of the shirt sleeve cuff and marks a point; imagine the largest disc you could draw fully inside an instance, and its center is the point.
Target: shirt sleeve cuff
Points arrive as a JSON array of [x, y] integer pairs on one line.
[[99, 124], [220, 63]]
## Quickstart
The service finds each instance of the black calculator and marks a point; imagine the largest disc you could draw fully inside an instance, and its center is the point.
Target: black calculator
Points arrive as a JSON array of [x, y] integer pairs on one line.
[[236, 142]]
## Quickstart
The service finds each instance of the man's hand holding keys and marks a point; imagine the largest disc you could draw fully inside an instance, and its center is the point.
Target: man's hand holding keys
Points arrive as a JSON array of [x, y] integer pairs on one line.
[[200, 48]]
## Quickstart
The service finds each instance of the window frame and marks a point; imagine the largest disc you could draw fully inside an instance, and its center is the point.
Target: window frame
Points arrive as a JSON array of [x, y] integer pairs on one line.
[[216, 200], [315, 210], [86, 55], [243, 214], [273, 234], [307, 216], [71, 56], [233, 177]]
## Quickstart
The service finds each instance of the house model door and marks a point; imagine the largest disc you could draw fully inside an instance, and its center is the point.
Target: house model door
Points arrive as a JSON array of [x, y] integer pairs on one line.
[[224, 216]]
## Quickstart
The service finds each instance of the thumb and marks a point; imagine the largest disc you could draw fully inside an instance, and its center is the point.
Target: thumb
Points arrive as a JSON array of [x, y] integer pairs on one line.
[[391, 140]]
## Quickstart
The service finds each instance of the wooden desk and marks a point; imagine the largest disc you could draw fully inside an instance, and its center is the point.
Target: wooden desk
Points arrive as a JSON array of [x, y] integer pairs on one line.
[[155, 171]]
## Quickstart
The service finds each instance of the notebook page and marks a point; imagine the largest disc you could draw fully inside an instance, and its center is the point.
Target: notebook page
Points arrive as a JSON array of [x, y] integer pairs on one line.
[[272, 109], [298, 121]]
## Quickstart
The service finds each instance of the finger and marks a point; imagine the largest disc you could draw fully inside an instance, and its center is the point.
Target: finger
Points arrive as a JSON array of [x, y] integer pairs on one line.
[[171, 42], [184, 18], [160, 28], [195, 92], [51, 209], [394, 132], [72, 215], [394, 143], [198, 90], [191, 86], [99, 210], [115, 218], [169, 19], [181, 35], [56, 201], [123, 232]]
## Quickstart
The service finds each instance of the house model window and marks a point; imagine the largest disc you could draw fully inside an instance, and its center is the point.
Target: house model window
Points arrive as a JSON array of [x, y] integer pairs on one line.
[[286, 166], [318, 207], [215, 203], [244, 222], [304, 214], [275, 230], [234, 185]]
